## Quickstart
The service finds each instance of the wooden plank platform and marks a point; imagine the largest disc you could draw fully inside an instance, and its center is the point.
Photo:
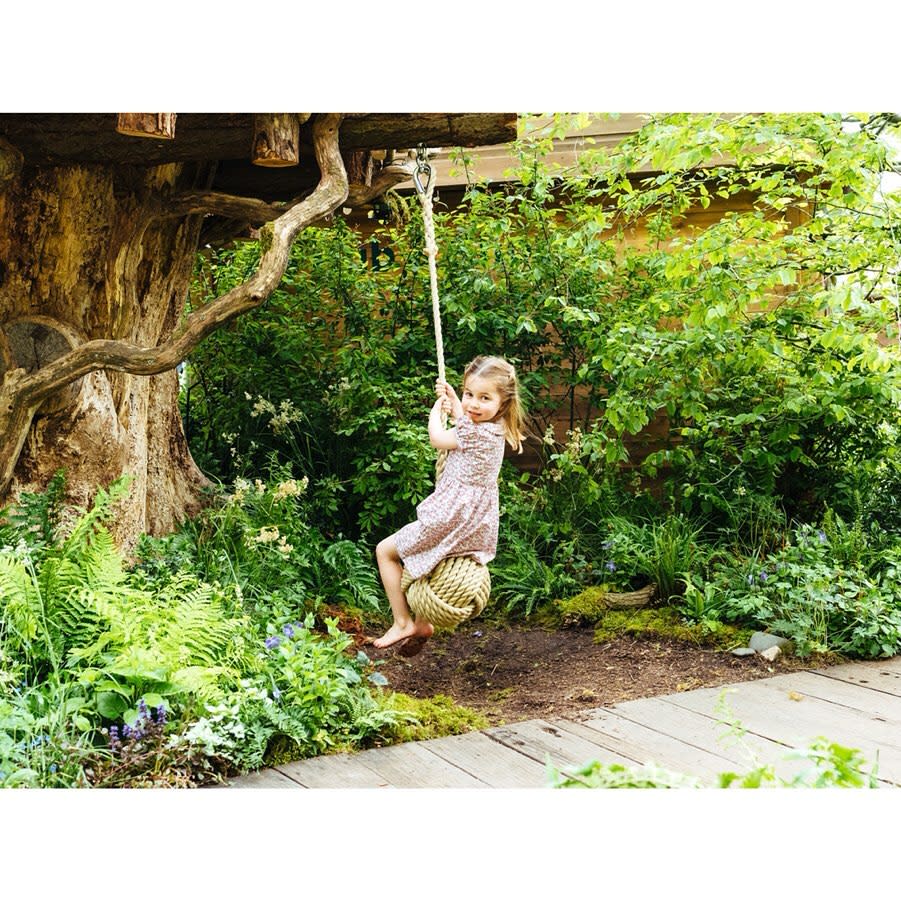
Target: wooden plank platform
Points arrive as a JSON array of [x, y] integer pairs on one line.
[[857, 705]]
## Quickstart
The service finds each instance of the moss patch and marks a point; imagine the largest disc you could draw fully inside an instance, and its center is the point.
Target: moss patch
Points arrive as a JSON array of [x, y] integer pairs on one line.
[[586, 607], [435, 717], [666, 622]]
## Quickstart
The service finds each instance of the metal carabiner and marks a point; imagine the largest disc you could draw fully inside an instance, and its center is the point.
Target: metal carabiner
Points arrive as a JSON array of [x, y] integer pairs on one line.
[[422, 166]]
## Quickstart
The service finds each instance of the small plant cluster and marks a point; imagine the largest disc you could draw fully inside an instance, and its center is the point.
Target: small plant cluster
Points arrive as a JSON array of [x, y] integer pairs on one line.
[[831, 766]]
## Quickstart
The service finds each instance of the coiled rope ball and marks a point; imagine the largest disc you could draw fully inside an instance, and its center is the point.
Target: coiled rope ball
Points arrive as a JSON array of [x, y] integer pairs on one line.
[[455, 590], [458, 587]]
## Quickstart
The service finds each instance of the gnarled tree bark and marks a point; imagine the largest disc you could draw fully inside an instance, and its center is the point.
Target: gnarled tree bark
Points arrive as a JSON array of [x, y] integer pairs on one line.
[[113, 271]]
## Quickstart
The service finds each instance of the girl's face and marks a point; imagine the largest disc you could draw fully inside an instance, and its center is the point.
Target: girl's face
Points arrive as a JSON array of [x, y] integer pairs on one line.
[[481, 399]]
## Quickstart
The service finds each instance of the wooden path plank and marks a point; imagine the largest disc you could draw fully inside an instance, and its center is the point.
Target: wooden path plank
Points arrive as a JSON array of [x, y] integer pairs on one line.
[[702, 730], [648, 746], [538, 738], [488, 760], [875, 704], [857, 705], [333, 771], [268, 778], [411, 765], [879, 678], [771, 713]]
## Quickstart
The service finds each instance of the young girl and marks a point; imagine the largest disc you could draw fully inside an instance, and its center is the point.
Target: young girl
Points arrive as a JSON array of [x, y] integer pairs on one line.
[[460, 517]]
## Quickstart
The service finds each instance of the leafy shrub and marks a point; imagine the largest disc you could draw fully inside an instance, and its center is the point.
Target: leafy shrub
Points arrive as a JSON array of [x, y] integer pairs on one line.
[[805, 592], [258, 538]]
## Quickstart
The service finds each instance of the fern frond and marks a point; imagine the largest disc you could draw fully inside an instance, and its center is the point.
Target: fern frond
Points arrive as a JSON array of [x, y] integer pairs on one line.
[[20, 600]]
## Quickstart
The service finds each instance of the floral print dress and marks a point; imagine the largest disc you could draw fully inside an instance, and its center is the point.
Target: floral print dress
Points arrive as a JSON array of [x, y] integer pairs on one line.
[[460, 517]]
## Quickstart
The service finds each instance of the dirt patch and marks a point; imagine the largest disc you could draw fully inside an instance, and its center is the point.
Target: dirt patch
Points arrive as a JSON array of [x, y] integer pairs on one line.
[[514, 673]]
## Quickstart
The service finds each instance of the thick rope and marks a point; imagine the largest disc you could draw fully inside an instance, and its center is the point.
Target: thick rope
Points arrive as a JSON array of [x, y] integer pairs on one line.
[[455, 590], [458, 587], [431, 249]]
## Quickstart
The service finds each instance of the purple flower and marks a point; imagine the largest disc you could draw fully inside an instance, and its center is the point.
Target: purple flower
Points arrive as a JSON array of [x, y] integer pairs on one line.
[[276, 693], [161, 714], [822, 536], [763, 575], [611, 566], [750, 579], [273, 641], [288, 630], [113, 736], [142, 708], [126, 730]]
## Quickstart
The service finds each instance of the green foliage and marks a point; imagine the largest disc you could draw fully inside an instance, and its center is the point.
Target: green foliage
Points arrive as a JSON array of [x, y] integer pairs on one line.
[[662, 552], [89, 647], [258, 539], [825, 594]]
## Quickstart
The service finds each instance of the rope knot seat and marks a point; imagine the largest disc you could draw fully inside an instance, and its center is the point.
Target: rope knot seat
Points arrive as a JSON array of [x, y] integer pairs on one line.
[[455, 590]]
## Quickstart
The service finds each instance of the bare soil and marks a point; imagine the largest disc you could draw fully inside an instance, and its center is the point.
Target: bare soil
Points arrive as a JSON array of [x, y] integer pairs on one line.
[[513, 673]]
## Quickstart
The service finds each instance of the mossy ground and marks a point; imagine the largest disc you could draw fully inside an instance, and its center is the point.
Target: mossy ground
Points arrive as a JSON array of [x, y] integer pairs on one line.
[[436, 717], [667, 622]]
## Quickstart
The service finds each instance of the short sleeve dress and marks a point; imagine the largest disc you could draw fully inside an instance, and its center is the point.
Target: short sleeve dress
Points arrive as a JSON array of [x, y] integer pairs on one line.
[[460, 517]]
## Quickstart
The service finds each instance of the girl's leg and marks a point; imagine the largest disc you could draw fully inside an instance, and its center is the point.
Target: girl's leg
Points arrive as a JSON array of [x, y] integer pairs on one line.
[[391, 571]]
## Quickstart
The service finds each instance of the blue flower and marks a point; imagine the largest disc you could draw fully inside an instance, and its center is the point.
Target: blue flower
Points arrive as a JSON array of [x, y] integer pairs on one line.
[[611, 566], [53, 767], [822, 536], [273, 641], [276, 693], [288, 630], [750, 579], [607, 545]]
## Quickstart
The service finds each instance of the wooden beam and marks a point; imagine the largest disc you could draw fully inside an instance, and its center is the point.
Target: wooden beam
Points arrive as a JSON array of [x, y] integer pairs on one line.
[[55, 138], [276, 139], [147, 125]]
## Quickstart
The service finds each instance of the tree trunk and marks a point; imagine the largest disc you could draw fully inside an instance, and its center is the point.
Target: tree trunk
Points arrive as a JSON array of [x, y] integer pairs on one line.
[[83, 256]]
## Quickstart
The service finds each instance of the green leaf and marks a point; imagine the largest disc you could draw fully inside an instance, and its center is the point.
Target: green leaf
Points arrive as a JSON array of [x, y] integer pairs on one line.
[[111, 706]]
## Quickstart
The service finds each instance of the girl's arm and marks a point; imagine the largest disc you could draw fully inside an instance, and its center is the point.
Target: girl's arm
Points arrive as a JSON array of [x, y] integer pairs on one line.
[[441, 437]]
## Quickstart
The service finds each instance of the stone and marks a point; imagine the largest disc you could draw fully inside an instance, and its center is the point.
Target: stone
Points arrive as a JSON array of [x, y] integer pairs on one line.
[[772, 653], [760, 641], [742, 652]]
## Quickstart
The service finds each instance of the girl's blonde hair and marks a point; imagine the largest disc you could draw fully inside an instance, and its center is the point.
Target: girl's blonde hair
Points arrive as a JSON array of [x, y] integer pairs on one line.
[[503, 376]]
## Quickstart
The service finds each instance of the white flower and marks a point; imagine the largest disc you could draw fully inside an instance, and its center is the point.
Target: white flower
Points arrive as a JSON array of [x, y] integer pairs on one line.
[[266, 535]]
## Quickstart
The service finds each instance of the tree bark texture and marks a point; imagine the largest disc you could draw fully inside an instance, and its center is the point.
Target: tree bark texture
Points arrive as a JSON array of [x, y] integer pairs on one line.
[[95, 265], [83, 260]]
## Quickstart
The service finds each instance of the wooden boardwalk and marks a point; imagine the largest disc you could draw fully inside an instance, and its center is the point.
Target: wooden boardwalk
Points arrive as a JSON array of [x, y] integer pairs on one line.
[[857, 705]]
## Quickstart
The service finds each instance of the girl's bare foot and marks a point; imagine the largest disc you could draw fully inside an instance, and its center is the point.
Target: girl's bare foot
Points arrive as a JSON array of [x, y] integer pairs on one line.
[[420, 630]]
